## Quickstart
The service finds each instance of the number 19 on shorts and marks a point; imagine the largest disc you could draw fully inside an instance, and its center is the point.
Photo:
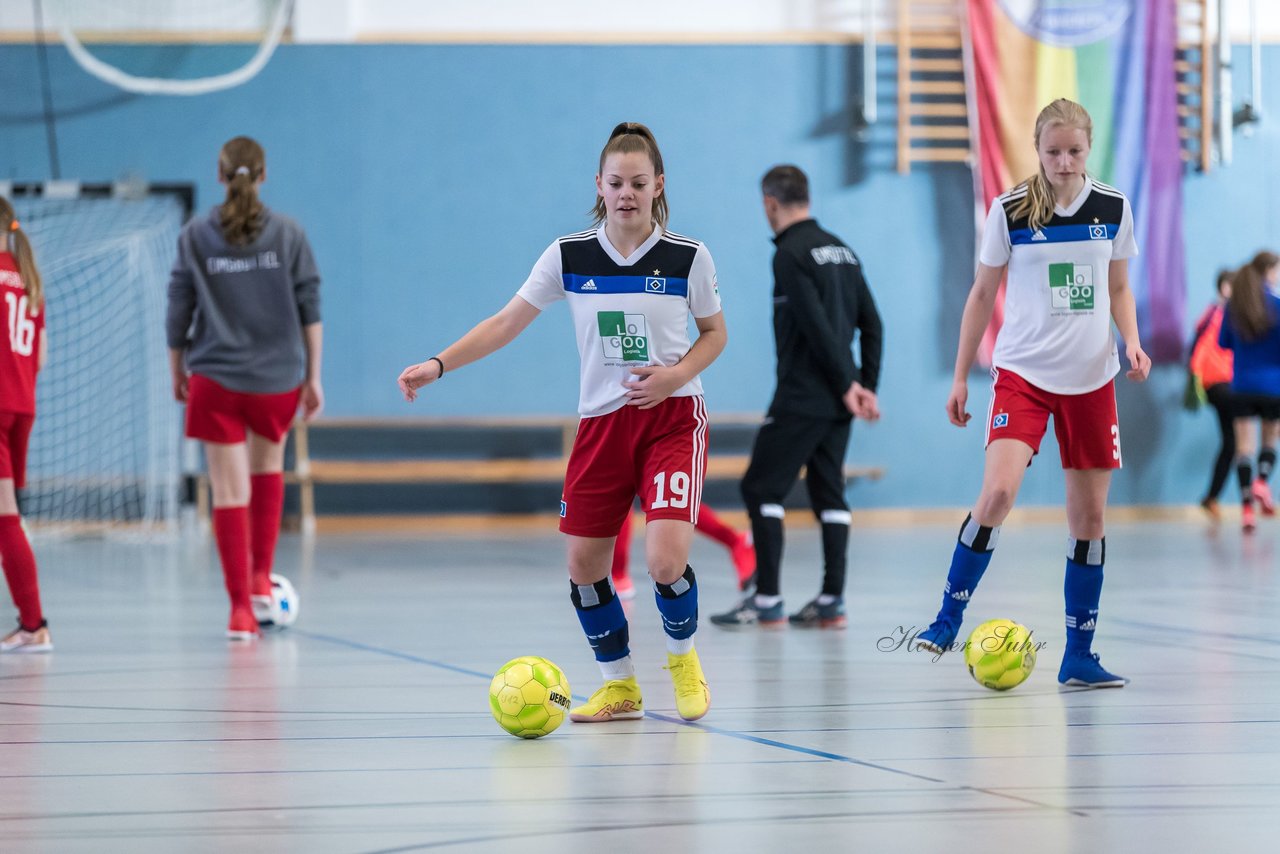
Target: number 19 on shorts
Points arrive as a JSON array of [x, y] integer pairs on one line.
[[679, 496]]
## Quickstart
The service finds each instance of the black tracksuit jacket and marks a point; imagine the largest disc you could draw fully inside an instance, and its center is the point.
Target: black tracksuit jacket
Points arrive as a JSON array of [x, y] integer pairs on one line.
[[820, 299]]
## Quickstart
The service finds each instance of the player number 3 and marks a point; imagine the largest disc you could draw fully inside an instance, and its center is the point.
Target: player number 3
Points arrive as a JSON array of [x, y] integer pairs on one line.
[[679, 490], [22, 329]]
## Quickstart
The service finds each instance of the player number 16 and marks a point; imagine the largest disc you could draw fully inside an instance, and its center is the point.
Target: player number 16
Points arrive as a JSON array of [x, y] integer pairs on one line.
[[22, 329]]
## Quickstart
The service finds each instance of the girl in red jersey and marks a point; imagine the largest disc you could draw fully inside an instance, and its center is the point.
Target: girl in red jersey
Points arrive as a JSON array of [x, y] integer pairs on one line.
[[244, 347], [20, 359], [630, 286]]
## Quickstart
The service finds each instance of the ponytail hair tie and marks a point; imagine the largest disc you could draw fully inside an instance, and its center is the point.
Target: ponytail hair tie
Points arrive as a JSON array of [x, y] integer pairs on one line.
[[14, 225], [242, 170]]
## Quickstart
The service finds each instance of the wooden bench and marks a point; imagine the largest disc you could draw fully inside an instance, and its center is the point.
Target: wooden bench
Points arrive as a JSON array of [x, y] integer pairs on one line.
[[545, 463]]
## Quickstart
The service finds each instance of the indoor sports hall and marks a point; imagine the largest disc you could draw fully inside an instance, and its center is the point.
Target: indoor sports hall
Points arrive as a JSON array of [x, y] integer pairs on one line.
[[407, 168]]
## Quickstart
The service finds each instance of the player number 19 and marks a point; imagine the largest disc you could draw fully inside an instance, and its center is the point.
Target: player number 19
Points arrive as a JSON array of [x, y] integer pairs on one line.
[[22, 329], [679, 490]]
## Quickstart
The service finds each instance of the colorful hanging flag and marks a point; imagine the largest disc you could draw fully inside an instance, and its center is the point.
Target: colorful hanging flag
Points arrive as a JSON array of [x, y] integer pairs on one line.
[[1116, 58]]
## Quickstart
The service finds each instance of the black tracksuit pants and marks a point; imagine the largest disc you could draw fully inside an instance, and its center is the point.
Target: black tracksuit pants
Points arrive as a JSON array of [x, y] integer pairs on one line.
[[784, 444]]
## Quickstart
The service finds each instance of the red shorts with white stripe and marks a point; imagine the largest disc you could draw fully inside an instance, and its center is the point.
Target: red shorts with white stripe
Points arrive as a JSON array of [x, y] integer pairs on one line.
[[215, 413], [15, 432], [659, 454], [1086, 425]]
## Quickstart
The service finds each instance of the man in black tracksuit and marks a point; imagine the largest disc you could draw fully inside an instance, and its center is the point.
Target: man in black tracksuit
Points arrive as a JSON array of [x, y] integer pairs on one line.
[[820, 299]]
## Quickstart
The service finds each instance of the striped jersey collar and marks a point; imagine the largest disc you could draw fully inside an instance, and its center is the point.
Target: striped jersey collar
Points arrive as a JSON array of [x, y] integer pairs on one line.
[[1076, 203], [631, 259]]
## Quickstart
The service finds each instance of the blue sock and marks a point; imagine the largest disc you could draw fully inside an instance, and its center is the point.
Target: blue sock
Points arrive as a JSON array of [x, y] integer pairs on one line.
[[969, 561], [600, 612], [678, 605], [1081, 589]]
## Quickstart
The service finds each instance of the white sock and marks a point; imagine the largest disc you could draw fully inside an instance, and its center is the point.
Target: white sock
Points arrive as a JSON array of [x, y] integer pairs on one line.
[[767, 601], [679, 647], [826, 598], [621, 668]]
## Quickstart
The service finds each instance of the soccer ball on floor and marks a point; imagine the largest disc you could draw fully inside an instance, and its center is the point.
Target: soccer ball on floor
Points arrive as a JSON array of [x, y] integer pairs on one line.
[[1000, 654], [529, 696], [284, 601]]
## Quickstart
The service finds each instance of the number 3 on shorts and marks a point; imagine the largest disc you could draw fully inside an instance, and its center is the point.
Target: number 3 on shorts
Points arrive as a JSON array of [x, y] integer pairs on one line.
[[679, 490], [1115, 441]]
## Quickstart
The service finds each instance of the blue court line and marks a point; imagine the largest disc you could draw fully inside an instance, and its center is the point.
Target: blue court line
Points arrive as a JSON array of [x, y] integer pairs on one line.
[[404, 656], [741, 736]]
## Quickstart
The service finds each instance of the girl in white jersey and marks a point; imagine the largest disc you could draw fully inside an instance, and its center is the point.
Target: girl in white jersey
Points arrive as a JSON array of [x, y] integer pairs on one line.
[[1066, 240], [630, 285]]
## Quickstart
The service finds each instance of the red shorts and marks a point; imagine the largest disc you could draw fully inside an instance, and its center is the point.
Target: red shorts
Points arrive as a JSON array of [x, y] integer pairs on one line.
[[15, 431], [218, 414], [659, 454], [1086, 425]]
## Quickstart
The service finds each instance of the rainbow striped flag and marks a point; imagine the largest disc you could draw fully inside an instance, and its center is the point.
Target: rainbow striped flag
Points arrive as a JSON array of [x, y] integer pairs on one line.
[[1116, 57]]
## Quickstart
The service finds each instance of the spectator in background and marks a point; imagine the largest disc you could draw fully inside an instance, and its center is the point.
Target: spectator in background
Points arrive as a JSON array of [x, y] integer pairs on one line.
[[1211, 365], [1250, 329]]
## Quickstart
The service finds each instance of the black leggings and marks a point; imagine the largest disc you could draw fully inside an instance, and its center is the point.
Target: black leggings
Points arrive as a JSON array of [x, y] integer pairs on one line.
[[1220, 399], [784, 444]]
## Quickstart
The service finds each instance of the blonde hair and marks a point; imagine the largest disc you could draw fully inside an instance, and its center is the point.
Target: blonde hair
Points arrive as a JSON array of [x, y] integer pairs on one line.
[[32, 284], [1248, 308], [631, 138], [1037, 204], [241, 163]]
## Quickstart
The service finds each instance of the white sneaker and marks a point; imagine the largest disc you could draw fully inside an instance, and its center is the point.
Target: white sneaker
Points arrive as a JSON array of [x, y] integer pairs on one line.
[[20, 640]]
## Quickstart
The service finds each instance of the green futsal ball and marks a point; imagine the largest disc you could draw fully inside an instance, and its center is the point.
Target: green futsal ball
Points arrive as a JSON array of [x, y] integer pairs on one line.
[[529, 697], [1001, 654]]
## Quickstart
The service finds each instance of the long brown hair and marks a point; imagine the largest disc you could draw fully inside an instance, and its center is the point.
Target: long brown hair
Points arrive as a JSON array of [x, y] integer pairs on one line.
[[241, 163], [630, 138], [1037, 204], [1248, 309], [22, 253]]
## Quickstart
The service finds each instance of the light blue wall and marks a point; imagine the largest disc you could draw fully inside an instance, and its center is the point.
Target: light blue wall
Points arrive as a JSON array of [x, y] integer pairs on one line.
[[430, 178]]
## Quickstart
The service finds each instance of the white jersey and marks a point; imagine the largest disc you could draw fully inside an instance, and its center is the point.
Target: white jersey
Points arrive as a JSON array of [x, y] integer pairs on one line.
[[1057, 310], [627, 312]]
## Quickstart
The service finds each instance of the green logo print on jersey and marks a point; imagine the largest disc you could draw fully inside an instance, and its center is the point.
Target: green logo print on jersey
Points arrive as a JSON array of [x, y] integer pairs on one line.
[[1071, 286], [624, 336]]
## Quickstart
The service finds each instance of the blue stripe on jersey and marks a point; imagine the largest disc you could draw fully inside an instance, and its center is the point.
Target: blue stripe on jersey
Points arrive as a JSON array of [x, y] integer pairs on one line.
[[576, 283], [1065, 234]]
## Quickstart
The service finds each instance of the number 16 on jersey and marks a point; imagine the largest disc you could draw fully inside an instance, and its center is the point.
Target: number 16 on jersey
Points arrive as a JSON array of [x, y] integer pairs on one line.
[[22, 329]]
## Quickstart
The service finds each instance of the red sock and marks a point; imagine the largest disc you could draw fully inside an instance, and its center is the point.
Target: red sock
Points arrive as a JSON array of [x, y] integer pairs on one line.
[[622, 551], [231, 530], [20, 571], [710, 524], [266, 506]]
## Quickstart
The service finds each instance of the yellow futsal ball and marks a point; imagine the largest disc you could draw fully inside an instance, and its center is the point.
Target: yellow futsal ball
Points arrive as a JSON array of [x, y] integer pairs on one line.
[[529, 696], [1001, 654]]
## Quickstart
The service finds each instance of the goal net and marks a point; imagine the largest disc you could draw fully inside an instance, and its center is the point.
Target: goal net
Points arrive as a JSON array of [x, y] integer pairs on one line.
[[105, 448]]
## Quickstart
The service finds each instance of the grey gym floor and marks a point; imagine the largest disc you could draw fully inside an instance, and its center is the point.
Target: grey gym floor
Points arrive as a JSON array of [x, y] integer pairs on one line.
[[366, 727]]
